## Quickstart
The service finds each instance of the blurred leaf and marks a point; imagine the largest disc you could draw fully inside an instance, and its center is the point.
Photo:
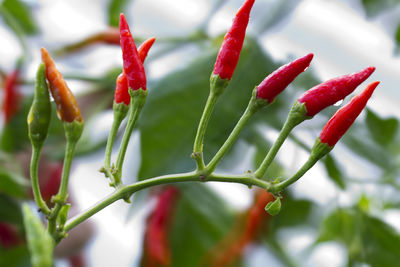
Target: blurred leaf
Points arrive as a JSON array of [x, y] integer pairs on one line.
[[115, 7], [340, 226], [13, 184], [201, 220], [175, 104], [334, 171], [397, 38], [10, 211], [374, 7], [39, 241], [15, 257], [382, 130], [21, 14]]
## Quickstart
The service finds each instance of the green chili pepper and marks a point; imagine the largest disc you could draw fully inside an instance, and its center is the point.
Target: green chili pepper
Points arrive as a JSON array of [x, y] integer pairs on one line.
[[40, 112]]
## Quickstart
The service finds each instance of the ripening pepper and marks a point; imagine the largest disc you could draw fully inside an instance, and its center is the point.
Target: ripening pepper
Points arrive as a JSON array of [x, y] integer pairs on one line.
[[40, 112], [144, 48], [345, 116], [67, 107], [278, 80], [228, 55], [328, 93], [133, 66]]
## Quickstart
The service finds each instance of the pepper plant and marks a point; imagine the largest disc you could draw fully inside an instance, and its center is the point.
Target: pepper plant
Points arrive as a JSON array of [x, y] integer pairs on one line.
[[131, 95]]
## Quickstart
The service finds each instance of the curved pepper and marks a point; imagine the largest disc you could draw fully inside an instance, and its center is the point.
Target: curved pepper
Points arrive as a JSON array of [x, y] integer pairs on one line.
[[345, 116], [144, 48], [228, 55], [328, 93], [67, 107], [133, 66], [40, 112], [277, 81]]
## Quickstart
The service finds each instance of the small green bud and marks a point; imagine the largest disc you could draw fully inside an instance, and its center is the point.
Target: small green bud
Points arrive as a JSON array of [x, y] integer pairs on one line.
[[274, 207]]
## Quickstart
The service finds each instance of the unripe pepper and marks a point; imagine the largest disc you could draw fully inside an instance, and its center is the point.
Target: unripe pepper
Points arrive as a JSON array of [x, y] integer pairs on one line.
[[40, 112], [277, 81], [228, 55], [345, 116], [328, 93], [133, 66], [67, 107]]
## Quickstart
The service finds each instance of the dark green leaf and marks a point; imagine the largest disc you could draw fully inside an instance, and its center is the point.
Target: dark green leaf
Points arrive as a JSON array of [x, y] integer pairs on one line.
[[13, 184], [397, 38], [15, 257], [340, 226], [10, 210], [115, 7], [21, 14], [382, 130], [374, 7], [200, 221], [334, 171]]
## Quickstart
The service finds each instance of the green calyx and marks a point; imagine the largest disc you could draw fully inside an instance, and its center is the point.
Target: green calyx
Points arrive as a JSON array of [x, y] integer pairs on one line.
[[120, 110], [298, 114], [138, 96], [73, 130], [217, 84], [40, 112], [257, 103], [319, 150]]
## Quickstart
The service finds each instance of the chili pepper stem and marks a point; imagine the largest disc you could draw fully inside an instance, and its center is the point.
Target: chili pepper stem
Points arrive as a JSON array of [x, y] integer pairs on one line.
[[138, 99], [296, 116], [127, 190], [120, 111], [254, 105], [217, 87], [36, 150], [318, 151], [73, 131]]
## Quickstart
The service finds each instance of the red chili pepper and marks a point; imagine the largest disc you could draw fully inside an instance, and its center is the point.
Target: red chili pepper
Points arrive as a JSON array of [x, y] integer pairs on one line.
[[122, 90], [328, 93], [156, 248], [229, 52], [11, 95], [345, 116], [277, 81], [133, 66], [67, 107], [144, 48]]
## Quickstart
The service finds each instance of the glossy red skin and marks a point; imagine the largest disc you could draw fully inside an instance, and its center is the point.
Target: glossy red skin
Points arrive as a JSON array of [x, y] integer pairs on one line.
[[156, 245], [133, 66], [345, 116], [11, 95], [145, 47], [122, 91], [328, 93], [229, 52], [277, 81]]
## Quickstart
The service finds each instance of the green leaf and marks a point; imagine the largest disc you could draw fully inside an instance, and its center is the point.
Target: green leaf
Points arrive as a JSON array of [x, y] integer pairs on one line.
[[340, 226], [375, 7], [10, 210], [21, 14], [40, 243], [334, 171], [383, 131], [115, 7], [274, 207], [13, 184], [200, 221], [175, 104], [15, 257], [397, 38]]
